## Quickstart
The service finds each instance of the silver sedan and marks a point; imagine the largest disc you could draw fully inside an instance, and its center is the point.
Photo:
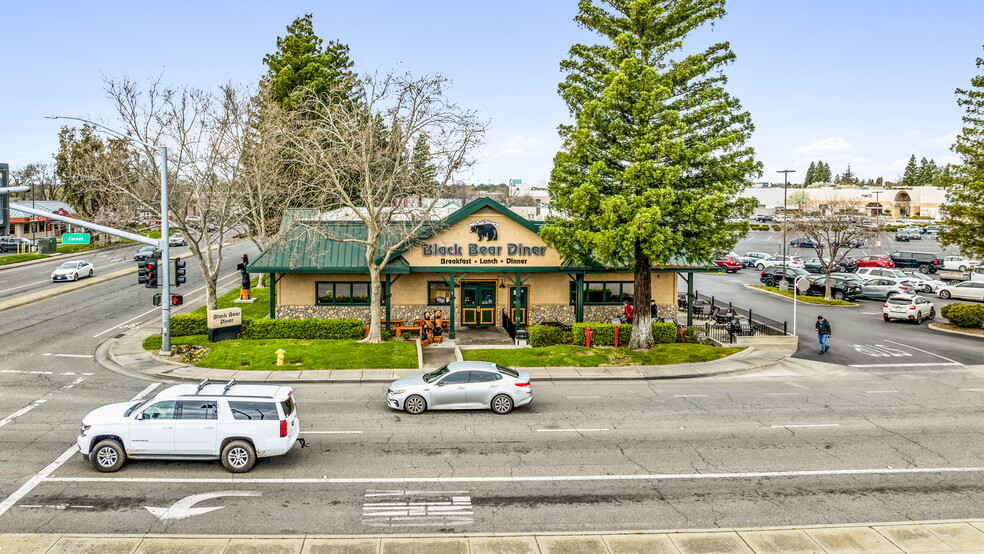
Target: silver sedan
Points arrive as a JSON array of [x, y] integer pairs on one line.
[[462, 386]]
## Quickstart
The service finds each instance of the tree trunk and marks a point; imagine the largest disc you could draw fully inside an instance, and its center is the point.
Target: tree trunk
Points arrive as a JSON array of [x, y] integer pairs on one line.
[[642, 334], [826, 289], [260, 280], [210, 297], [375, 294]]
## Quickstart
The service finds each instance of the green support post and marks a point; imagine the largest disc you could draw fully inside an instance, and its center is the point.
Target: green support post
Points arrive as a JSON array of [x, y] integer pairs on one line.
[[579, 299], [273, 295], [518, 291], [690, 299], [451, 329]]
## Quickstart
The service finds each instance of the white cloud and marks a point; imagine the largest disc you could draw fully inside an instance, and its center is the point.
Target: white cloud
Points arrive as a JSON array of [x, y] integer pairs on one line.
[[939, 142], [519, 141], [830, 144]]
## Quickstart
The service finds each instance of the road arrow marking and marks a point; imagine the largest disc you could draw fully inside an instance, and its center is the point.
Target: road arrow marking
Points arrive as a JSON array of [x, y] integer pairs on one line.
[[184, 508]]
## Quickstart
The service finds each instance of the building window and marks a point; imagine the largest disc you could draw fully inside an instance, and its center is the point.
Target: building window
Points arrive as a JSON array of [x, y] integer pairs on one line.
[[342, 293], [600, 293], [438, 293]]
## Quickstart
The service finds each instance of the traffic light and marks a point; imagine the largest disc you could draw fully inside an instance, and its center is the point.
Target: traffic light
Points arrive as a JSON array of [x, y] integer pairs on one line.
[[177, 300], [143, 272], [151, 280], [179, 272], [157, 299]]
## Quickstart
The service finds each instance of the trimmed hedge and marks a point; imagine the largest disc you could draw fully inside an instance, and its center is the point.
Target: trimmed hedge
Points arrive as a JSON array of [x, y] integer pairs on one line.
[[253, 329], [964, 315], [603, 334], [544, 335]]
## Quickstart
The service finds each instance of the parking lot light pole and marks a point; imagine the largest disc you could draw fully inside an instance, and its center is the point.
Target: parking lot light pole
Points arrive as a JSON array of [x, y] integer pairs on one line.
[[785, 218], [165, 230]]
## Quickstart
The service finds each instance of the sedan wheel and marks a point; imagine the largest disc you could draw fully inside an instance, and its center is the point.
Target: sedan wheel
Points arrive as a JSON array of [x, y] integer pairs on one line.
[[76, 277], [944, 294], [963, 268], [760, 267], [415, 405], [502, 404], [838, 295], [90, 273]]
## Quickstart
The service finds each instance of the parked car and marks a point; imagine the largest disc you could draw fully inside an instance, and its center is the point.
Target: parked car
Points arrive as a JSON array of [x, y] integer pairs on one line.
[[924, 282], [875, 261], [751, 258], [805, 243], [925, 262], [729, 264], [235, 423], [72, 271], [462, 386], [771, 276], [144, 253], [12, 244], [968, 290], [840, 289], [791, 261], [867, 273], [883, 288], [906, 234], [959, 263], [815, 265], [177, 239], [852, 243], [906, 307], [763, 217]]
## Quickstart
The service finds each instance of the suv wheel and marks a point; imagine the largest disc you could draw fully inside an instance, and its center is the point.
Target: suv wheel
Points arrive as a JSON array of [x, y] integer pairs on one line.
[[238, 457], [891, 294], [923, 268], [918, 318], [107, 456], [838, 295], [932, 314], [770, 282]]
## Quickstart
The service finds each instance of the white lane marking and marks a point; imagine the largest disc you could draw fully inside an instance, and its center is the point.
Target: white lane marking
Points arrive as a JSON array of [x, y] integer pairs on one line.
[[185, 508], [879, 351], [417, 509], [924, 351], [806, 425], [50, 468], [879, 391], [68, 355], [782, 394], [929, 364], [158, 309], [38, 402], [581, 397], [689, 395], [40, 372], [568, 430], [25, 286], [522, 479], [332, 432]]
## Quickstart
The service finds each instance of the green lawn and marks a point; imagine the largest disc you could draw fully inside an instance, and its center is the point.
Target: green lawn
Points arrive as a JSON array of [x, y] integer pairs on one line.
[[301, 354], [807, 299], [258, 309], [580, 356], [16, 258], [73, 248]]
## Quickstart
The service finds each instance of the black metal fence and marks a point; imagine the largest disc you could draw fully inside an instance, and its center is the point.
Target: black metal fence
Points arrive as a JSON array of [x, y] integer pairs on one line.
[[508, 325], [725, 322]]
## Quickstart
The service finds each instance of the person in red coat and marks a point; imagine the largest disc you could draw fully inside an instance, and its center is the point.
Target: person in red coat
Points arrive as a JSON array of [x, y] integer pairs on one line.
[[628, 312]]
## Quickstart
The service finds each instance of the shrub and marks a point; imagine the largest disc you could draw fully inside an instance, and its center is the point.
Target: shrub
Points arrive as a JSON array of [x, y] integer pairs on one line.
[[406, 335], [188, 324], [693, 334], [325, 329], [568, 337], [385, 335], [544, 335], [964, 315], [664, 333], [681, 334], [777, 227]]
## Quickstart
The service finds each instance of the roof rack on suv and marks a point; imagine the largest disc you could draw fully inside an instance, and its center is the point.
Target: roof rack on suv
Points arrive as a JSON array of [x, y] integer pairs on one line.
[[228, 386], [202, 385]]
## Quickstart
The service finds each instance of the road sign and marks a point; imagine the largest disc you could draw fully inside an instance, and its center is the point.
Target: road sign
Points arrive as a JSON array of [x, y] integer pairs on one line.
[[75, 238]]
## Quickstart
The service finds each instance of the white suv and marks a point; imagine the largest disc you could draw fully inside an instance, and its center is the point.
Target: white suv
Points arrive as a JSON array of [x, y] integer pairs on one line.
[[232, 422]]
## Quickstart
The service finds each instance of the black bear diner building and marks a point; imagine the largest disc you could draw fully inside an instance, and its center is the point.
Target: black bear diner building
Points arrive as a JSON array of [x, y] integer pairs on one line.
[[469, 266]]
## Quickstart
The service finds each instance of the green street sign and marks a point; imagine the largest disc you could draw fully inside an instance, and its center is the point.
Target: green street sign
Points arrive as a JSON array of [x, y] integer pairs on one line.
[[75, 238]]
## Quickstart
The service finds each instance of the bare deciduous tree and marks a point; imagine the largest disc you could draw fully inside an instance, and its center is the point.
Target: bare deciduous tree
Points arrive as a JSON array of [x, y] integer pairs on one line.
[[365, 156], [40, 177], [835, 227]]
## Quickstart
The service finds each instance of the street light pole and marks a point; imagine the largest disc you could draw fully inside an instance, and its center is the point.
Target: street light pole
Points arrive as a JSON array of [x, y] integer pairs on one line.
[[785, 187], [163, 243]]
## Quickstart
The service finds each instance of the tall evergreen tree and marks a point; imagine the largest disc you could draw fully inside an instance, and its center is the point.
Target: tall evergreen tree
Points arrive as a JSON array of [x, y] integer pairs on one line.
[[810, 174], [963, 212], [825, 176], [911, 174], [651, 169]]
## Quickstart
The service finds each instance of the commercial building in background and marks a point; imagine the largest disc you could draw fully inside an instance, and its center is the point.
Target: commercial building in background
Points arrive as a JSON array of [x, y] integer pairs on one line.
[[893, 203], [25, 225], [469, 265]]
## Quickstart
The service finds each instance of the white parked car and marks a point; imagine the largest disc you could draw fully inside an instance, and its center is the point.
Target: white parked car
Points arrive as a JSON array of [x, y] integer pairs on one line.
[[176, 239], [791, 261], [868, 273], [462, 386], [72, 271], [959, 263], [968, 290], [925, 282], [912, 308], [232, 422]]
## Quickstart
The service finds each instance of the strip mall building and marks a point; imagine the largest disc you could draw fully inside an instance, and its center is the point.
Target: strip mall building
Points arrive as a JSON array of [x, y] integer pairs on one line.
[[469, 267]]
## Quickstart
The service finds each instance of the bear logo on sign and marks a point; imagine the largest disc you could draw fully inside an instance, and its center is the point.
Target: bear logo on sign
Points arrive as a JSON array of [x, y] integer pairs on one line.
[[484, 229]]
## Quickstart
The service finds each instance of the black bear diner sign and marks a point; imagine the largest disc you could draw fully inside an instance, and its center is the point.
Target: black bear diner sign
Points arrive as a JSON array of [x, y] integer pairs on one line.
[[483, 254]]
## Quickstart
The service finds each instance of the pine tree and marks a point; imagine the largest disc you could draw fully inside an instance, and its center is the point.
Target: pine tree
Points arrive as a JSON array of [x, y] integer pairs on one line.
[[848, 177], [651, 169], [963, 212], [810, 174], [827, 175], [911, 175]]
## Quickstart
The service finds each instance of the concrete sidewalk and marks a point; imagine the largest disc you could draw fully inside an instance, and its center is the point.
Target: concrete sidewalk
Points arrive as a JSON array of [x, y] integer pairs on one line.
[[938, 536], [124, 353]]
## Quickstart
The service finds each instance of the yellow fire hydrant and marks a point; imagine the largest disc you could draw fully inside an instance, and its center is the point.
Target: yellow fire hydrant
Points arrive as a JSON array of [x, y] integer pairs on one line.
[[280, 356]]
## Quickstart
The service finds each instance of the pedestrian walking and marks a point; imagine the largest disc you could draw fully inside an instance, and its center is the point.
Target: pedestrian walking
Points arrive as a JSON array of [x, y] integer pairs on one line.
[[823, 333], [628, 312], [652, 309]]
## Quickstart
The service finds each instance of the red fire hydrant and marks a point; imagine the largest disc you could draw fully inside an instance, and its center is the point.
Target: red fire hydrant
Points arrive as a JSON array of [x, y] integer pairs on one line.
[[587, 336], [616, 336]]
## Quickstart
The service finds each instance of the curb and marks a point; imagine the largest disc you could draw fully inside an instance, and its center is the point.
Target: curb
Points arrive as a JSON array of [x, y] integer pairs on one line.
[[798, 301], [936, 327], [70, 287]]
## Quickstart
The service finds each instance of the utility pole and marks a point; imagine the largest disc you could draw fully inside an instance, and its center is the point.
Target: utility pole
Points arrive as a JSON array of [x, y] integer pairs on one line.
[[785, 186]]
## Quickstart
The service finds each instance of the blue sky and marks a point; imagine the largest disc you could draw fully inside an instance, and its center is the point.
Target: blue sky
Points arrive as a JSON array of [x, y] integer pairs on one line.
[[862, 82]]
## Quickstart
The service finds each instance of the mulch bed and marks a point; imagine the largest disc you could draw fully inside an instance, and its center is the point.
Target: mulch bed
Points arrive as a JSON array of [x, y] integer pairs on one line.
[[963, 330]]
